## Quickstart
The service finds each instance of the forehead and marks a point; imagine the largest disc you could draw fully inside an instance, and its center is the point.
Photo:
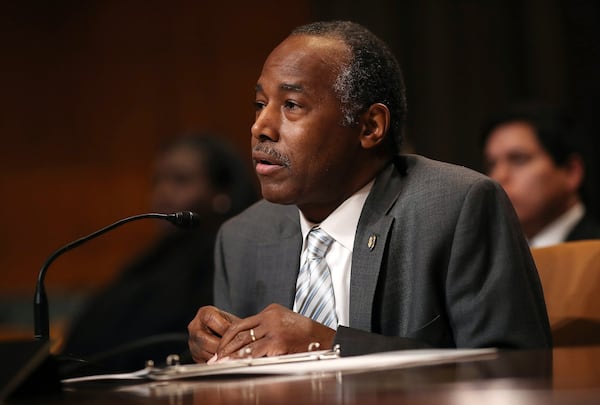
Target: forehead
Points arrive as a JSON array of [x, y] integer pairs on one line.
[[310, 62], [180, 157], [515, 135]]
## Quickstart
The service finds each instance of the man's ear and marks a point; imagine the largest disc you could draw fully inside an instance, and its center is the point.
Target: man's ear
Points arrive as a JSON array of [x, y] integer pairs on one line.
[[375, 124], [575, 170]]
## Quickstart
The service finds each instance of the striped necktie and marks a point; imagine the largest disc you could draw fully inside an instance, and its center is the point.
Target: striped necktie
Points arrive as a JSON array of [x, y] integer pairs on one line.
[[314, 289]]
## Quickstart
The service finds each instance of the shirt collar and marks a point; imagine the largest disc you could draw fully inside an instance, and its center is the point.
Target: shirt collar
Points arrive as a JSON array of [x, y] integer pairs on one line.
[[558, 230], [341, 224]]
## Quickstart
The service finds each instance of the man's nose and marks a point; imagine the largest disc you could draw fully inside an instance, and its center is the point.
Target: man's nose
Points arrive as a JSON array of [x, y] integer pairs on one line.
[[266, 124]]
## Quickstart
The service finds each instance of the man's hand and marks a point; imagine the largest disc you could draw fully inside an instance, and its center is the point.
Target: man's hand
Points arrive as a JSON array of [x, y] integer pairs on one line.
[[274, 331], [205, 331]]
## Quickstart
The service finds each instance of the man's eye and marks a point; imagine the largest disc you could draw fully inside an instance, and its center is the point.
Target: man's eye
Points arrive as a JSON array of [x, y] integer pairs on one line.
[[519, 159], [291, 105], [259, 105]]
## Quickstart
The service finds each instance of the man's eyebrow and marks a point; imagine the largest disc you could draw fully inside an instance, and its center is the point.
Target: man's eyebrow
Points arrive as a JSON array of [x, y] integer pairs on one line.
[[284, 86], [292, 87]]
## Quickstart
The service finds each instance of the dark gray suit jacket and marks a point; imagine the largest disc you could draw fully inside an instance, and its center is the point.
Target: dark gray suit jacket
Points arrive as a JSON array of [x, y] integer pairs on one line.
[[449, 268]]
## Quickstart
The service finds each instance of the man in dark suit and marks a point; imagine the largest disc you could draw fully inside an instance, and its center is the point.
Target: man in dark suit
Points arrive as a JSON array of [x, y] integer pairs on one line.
[[532, 150], [419, 253]]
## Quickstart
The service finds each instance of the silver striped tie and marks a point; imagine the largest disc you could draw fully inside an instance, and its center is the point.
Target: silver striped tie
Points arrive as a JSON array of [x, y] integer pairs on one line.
[[314, 289]]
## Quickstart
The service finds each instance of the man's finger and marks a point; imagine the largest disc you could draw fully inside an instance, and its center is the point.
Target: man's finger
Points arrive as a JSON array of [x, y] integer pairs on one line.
[[215, 321], [238, 335]]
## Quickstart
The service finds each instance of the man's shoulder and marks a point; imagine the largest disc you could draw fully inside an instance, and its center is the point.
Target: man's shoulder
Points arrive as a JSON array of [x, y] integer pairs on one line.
[[421, 166], [264, 218], [432, 190], [425, 175]]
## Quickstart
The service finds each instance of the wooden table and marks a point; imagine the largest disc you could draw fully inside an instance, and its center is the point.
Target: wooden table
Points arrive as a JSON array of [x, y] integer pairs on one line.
[[563, 376]]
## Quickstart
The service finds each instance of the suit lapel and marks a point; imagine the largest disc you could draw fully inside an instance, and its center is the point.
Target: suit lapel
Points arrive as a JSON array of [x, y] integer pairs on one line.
[[370, 246], [279, 260]]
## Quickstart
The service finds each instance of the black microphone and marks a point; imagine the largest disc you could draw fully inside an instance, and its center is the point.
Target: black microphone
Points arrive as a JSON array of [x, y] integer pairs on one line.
[[41, 317]]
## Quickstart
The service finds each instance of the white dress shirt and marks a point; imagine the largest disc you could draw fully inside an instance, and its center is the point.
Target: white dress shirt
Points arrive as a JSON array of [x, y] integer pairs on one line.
[[341, 225]]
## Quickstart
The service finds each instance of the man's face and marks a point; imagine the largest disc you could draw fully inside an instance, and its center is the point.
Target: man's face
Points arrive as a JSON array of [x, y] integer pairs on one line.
[[303, 154], [180, 183], [538, 188]]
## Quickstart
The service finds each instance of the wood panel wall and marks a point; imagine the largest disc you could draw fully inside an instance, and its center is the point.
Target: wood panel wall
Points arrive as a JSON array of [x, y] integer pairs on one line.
[[89, 91]]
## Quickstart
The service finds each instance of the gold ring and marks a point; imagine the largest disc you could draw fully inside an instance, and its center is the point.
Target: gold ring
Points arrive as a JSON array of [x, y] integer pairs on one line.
[[252, 335]]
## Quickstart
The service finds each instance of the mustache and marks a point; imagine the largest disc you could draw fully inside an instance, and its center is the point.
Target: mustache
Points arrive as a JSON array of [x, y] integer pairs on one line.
[[273, 153]]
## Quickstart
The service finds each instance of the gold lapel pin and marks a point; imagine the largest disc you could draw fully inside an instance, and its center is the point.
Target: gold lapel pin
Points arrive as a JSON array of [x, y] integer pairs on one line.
[[372, 241]]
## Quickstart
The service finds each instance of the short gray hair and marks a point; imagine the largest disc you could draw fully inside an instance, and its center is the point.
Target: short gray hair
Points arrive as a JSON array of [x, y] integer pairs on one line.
[[372, 75]]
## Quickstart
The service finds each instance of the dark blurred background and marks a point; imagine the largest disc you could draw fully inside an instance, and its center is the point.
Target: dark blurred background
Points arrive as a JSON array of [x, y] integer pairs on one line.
[[89, 90]]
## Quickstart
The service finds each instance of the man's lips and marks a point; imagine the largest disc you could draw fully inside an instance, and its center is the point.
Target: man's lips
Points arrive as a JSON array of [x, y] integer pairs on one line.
[[266, 159], [266, 163]]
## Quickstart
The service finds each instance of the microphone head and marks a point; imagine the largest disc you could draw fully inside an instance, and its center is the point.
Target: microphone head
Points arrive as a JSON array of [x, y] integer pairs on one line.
[[184, 219]]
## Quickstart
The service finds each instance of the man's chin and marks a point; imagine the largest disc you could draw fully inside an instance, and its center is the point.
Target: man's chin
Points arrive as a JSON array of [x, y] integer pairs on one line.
[[277, 195]]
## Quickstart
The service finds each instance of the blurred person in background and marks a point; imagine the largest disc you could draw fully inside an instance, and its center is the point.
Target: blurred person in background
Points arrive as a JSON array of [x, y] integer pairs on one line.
[[532, 151], [144, 313]]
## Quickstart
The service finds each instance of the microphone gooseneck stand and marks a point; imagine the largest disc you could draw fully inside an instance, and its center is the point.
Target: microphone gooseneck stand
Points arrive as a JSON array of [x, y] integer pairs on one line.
[[41, 317]]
